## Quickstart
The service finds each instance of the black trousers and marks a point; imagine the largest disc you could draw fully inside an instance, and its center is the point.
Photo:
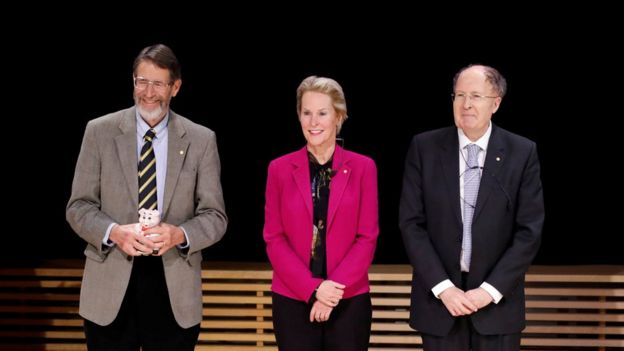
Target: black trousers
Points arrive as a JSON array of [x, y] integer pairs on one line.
[[145, 320], [464, 337], [348, 327]]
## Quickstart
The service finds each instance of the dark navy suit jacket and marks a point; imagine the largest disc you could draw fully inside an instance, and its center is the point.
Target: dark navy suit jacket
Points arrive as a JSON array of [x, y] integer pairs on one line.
[[506, 228]]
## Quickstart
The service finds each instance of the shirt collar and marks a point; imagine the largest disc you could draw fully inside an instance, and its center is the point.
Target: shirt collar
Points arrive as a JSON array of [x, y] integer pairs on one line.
[[143, 127], [482, 141]]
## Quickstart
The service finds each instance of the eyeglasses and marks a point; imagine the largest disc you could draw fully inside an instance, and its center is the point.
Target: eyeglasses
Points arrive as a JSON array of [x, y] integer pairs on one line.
[[475, 98], [141, 83]]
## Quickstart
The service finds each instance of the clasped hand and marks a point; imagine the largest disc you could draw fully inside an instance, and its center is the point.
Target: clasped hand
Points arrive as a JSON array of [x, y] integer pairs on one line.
[[328, 295], [153, 241], [460, 303]]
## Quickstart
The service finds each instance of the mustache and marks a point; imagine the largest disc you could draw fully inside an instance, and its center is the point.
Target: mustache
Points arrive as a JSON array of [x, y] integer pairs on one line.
[[150, 115]]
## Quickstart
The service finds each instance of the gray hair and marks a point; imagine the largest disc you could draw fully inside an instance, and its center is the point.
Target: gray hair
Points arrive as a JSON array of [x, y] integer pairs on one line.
[[492, 76]]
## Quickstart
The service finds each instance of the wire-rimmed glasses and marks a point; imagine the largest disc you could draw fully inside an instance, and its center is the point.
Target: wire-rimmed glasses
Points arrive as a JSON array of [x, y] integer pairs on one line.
[[141, 83], [475, 98]]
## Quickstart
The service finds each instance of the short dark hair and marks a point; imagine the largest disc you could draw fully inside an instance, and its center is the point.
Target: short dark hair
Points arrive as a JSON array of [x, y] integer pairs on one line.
[[162, 56]]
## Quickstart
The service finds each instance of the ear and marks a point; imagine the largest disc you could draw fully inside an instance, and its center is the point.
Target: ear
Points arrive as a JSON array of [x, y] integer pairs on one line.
[[497, 103], [341, 119], [176, 87]]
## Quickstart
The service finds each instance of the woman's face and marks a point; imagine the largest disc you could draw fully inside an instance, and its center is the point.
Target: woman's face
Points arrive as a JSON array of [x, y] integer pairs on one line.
[[318, 118]]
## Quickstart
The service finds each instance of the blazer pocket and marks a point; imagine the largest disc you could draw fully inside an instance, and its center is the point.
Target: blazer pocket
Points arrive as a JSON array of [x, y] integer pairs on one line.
[[91, 253]]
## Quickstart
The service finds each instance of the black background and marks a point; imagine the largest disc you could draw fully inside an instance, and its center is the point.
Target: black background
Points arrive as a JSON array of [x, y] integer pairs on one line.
[[563, 93]]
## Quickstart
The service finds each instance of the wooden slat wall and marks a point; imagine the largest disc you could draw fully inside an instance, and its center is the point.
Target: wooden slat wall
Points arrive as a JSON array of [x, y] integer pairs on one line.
[[568, 308], [39, 307]]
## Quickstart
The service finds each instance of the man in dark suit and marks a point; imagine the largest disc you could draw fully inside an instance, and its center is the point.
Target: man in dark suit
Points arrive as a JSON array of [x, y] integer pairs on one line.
[[471, 216], [142, 289]]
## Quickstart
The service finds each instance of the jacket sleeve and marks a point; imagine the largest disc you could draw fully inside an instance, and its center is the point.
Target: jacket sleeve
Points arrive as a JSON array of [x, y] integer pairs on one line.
[[425, 261], [529, 219], [210, 221], [83, 209]]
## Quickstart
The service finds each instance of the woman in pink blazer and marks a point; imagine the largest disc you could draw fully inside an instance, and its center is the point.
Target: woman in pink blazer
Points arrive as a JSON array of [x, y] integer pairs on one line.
[[321, 227]]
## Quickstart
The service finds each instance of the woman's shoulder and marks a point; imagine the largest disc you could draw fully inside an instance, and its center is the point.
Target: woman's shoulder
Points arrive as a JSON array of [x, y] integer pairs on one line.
[[289, 158]]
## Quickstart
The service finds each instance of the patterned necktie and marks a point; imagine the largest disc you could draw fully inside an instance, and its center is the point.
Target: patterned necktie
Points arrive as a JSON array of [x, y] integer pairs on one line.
[[472, 177], [147, 174]]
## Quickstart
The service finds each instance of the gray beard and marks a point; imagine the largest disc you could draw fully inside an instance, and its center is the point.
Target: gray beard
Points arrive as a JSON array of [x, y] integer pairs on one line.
[[151, 116]]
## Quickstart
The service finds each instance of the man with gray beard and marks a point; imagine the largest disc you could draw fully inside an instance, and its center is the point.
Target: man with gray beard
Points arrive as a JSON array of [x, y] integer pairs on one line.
[[141, 289]]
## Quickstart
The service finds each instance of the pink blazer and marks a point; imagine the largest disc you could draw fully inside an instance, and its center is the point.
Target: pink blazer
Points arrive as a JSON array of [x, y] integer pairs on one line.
[[352, 223]]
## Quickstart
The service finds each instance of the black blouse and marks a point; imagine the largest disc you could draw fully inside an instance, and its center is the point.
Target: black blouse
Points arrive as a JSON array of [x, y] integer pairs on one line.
[[320, 176]]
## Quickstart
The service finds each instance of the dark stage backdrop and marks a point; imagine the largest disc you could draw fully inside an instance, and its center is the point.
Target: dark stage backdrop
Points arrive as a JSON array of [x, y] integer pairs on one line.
[[243, 87]]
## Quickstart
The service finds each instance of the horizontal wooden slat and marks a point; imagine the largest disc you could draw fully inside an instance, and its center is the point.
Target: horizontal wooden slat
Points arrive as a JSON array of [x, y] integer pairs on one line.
[[203, 336], [399, 327], [39, 309], [228, 324], [567, 307], [606, 305], [395, 339], [580, 317], [236, 312], [395, 289], [45, 296], [236, 274], [46, 347], [390, 314], [48, 334], [575, 292], [233, 299], [236, 286], [578, 274], [50, 322], [39, 283], [564, 329], [42, 272], [571, 342], [387, 301]]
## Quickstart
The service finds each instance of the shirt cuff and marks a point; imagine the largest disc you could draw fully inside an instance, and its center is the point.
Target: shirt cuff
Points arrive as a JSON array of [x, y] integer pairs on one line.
[[187, 243], [106, 241], [438, 289], [496, 295]]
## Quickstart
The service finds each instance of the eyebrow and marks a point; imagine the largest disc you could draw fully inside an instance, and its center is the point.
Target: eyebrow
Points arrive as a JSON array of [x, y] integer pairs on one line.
[[322, 109]]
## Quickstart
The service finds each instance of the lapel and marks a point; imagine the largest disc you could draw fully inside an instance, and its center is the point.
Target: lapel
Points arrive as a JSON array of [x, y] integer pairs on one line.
[[338, 183], [126, 144], [177, 149], [494, 160], [449, 160], [301, 177]]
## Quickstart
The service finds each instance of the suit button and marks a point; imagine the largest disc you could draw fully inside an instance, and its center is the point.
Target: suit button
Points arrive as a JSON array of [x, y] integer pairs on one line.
[[129, 258]]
